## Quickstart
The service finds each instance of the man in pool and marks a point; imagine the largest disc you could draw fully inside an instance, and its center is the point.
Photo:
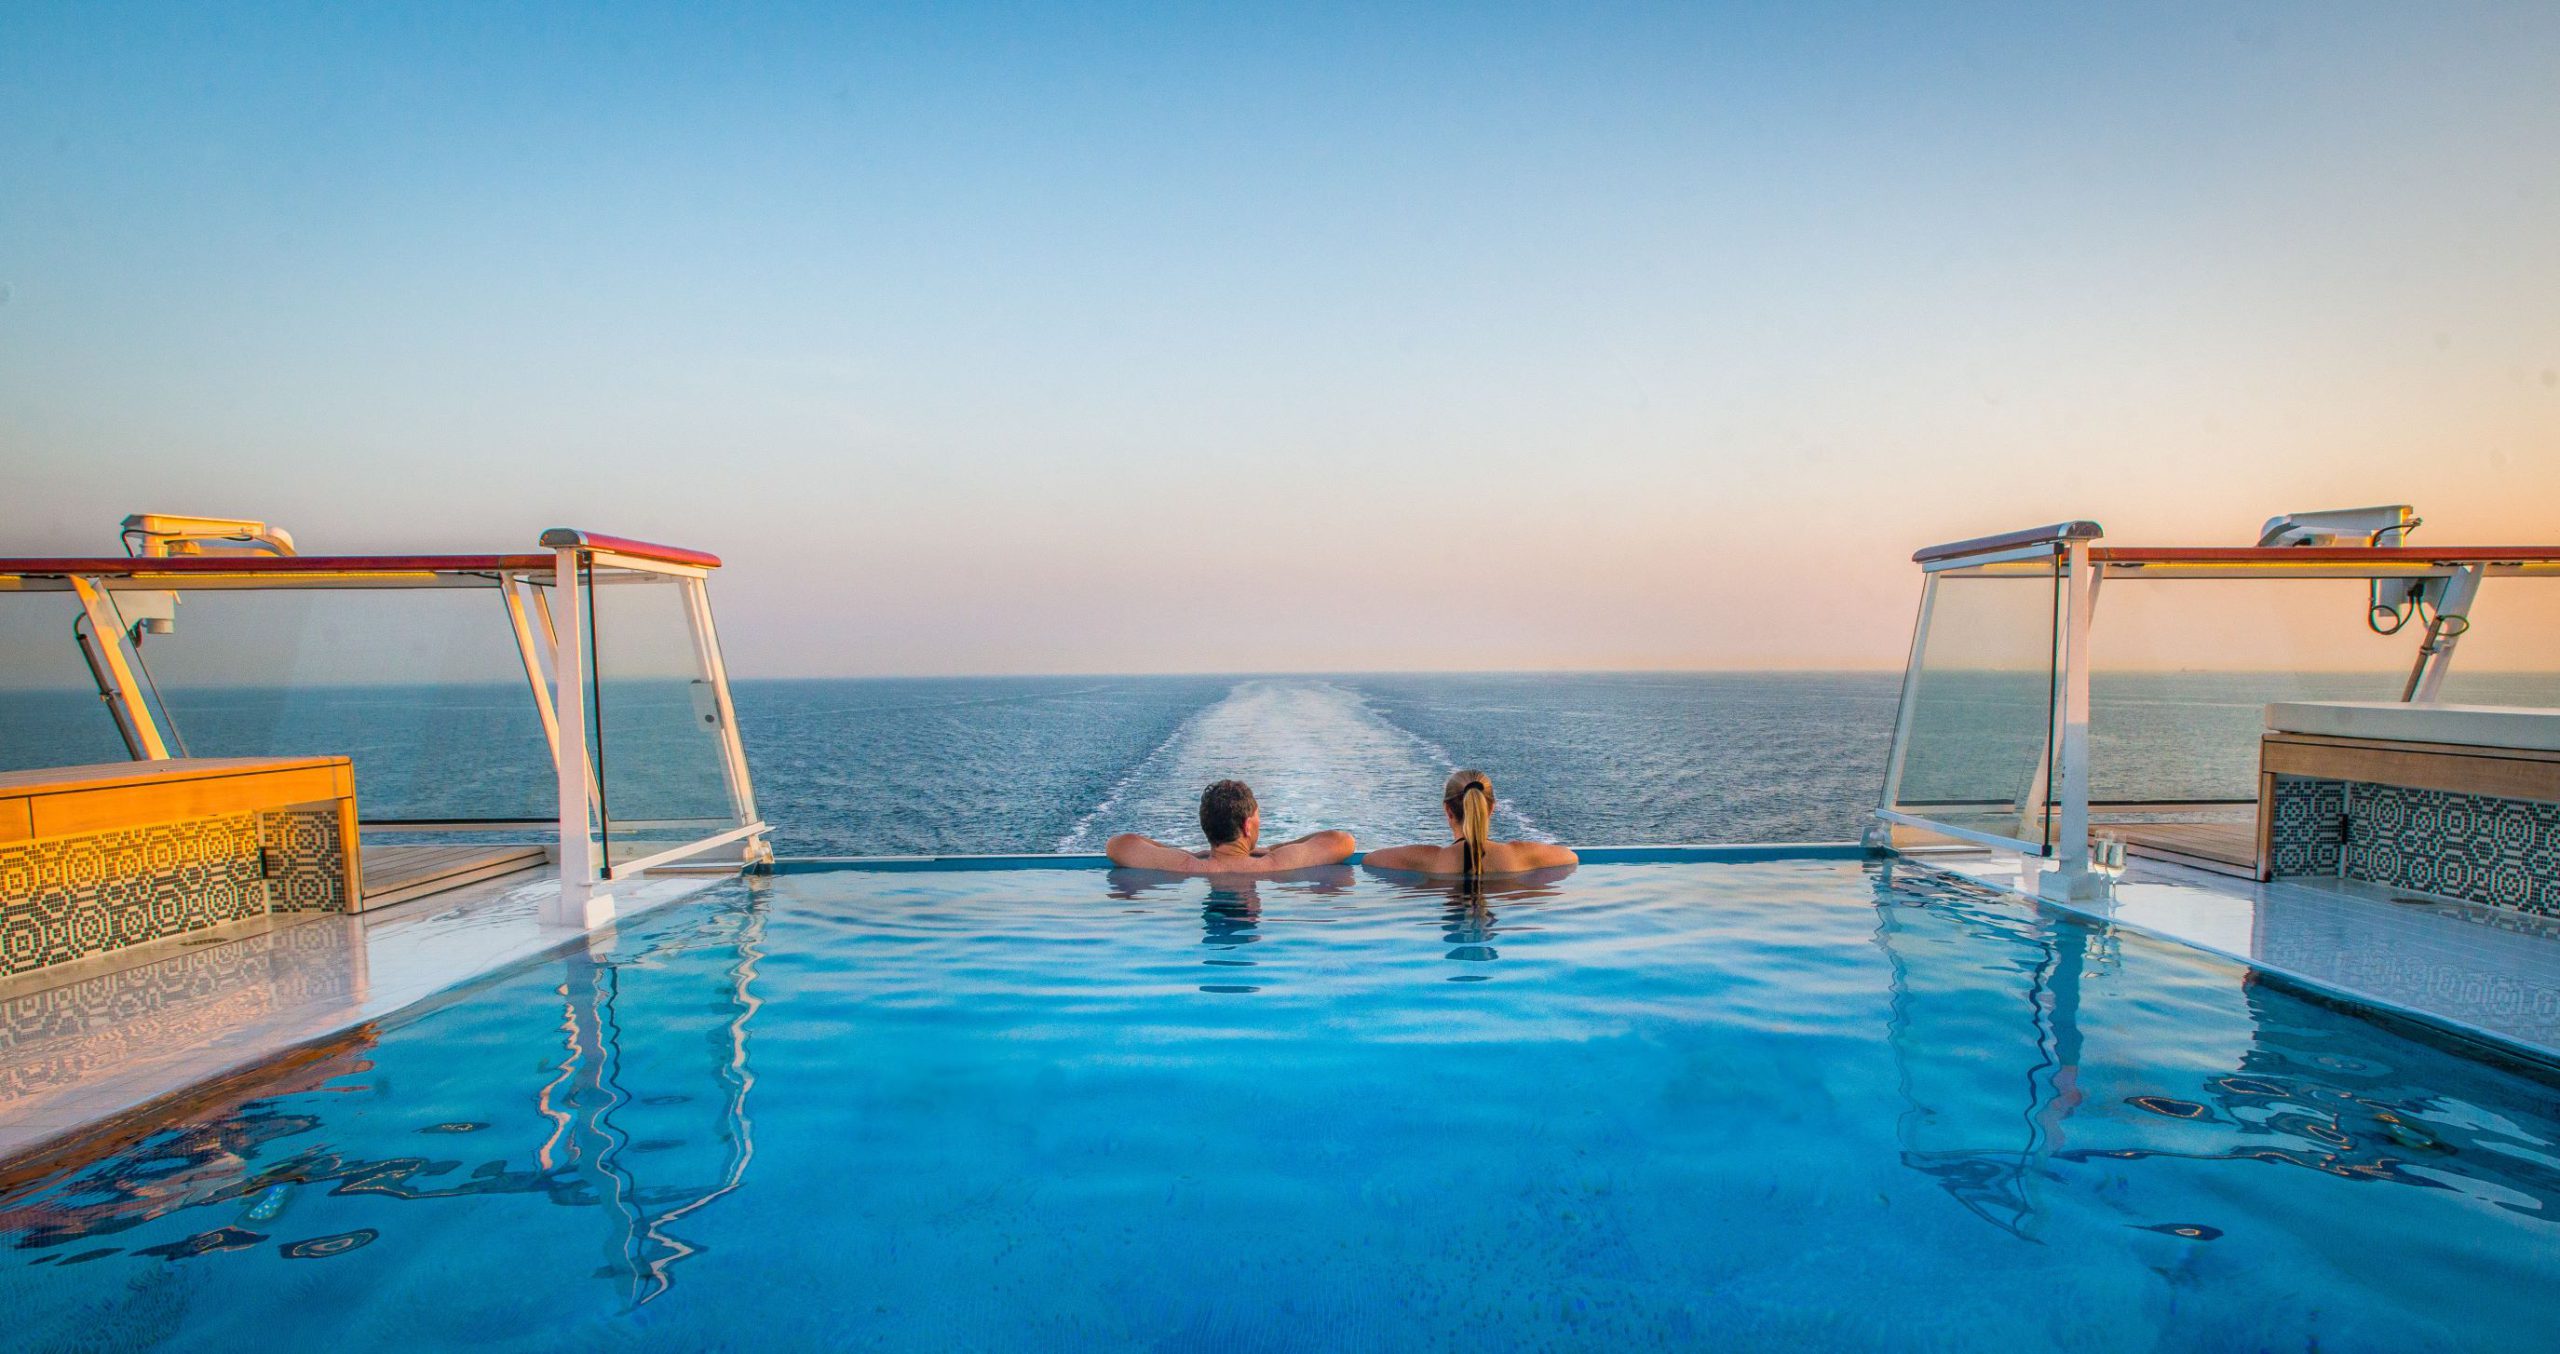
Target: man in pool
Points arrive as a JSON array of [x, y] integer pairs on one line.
[[1232, 822]]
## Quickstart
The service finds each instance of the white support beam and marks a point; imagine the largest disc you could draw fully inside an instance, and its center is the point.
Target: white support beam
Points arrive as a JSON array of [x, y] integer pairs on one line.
[[582, 901], [2075, 881], [633, 869], [2453, 621], [733, 751], [106, 629], [1879, 835], [526, 649], [1991, 840], [2039, 800]]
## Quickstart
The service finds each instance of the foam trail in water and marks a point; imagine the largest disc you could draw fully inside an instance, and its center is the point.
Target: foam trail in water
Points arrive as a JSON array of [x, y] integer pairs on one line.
[[1315, 754], [1509, 819]]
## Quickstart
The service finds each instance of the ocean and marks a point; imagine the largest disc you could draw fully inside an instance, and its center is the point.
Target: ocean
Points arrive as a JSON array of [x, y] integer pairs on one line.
[[1026, 764], [1059, 764]]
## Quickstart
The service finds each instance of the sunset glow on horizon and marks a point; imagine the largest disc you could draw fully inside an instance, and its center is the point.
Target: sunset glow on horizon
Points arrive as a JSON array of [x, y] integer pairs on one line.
[[1040, 339]]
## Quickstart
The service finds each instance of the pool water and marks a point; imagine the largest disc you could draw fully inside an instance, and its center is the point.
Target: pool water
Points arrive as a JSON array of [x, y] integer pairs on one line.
[[1800, 1103]]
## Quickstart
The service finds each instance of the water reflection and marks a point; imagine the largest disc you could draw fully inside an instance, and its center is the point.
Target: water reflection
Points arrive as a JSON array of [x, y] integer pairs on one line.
[[1230, 905], [1955, 965], [2010, 1077], [1470, 911], [645, 1111], [1469, 922], [198, 1161], [623, 1112]]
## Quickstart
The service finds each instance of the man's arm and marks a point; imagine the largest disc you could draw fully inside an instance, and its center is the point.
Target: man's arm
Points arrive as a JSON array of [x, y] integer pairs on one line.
[[1315, 848], [1140, 852]]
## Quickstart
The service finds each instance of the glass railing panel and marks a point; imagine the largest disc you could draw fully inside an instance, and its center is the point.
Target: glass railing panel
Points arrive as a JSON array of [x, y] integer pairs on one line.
[[2511, 653], [2182, 671], [661, 760], [50, 714], [1974, 754], [423, 687]]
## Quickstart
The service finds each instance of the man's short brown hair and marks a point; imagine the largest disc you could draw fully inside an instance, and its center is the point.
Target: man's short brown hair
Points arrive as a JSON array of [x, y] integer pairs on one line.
[[1223, 809]]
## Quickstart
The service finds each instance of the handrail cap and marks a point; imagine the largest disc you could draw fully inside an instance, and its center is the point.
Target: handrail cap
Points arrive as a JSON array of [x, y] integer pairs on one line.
[[570, 538], [2056, 534]]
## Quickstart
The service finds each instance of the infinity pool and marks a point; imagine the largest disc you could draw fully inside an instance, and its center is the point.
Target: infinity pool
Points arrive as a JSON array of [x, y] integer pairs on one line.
[[1792, 1104]]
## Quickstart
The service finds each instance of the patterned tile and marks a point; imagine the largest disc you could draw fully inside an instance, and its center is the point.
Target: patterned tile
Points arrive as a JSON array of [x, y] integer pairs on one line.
[[2482, 849], [2309, 834], [68, 898], [306, 872], [2474, 847]]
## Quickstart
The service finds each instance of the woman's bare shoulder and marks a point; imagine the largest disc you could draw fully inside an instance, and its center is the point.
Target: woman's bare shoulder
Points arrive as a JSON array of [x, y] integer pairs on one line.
[[1530, 855], [1417, 857]]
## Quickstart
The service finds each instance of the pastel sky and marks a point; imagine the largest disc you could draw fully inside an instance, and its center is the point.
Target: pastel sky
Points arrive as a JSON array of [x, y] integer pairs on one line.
[[998, 338]]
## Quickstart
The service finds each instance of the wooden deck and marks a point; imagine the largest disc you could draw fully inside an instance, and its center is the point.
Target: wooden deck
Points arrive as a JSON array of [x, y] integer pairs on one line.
[[2224, 848], [394, 874]]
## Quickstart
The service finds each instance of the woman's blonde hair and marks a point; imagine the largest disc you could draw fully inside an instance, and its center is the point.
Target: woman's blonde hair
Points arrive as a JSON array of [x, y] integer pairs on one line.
[[1469, 795]]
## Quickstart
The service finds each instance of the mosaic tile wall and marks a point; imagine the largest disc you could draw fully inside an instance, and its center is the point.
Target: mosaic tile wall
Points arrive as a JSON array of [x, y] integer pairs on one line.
[[68, 898], [306, 872], [2309, 835], [2504, 852]]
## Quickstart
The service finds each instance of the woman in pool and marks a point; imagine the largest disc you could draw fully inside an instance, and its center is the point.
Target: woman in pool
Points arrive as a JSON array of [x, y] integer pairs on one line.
[[1472, 853]]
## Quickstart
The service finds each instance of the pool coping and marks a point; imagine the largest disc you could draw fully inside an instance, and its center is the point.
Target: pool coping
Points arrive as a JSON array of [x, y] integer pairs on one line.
[[2459, 1035], [491, 929], [1729, 853]]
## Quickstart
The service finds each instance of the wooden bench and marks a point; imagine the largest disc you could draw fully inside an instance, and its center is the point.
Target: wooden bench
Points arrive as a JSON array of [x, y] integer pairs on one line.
[[94, 859], [2445, 800]]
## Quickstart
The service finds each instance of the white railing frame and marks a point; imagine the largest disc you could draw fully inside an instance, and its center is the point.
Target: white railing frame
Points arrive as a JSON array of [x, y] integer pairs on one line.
[[583, 900], [2033, 805], [587, 874], [2073, 880], [2066, 762]]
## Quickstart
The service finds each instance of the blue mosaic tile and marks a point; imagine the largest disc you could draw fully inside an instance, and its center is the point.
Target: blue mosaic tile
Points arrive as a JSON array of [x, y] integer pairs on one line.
[[2482, 849]]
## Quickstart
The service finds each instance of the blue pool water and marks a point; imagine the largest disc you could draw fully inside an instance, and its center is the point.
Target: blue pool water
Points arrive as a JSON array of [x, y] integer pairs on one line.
[[1801, 1104]]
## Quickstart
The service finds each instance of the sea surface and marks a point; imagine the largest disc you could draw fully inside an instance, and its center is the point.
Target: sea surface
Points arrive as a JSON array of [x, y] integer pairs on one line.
[[1059, 764], [1029, 764]]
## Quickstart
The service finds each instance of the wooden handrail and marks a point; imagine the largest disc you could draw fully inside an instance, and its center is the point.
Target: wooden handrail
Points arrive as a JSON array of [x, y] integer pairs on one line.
[[116, 566], [2325, 554], [246, 565]]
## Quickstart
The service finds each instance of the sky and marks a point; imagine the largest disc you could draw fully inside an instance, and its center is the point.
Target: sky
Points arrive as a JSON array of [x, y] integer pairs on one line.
[[1023, 338]]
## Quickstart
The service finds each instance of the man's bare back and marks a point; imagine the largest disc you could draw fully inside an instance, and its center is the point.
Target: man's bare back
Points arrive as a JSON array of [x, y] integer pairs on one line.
[[1232, 821]]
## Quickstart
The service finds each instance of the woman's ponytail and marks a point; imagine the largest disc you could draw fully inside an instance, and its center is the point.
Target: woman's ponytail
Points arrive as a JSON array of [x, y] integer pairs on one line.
[[1469, 795]]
